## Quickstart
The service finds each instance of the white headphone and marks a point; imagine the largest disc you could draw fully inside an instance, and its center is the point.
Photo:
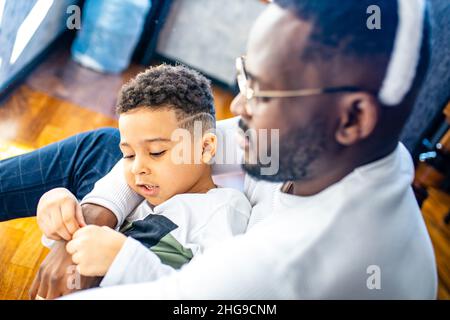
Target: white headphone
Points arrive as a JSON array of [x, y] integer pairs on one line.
[[405, 56]]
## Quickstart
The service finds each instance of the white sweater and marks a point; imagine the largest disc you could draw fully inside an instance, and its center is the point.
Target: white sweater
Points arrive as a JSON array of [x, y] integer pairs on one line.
[[361, 238]]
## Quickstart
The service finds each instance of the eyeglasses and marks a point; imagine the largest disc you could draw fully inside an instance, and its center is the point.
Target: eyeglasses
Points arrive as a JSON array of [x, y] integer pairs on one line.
[[250, 94]]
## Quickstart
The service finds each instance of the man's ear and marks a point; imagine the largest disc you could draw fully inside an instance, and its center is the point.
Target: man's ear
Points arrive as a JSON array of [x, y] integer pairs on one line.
[[358, 117], [209, 146]]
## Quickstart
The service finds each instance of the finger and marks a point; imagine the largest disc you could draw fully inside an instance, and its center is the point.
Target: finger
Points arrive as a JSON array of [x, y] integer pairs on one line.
[[79, 216], [72, 246], [43, 287], [58, 225], [45, 224], [54, 291], [53, 236], [83, 270], [85, 231], [79, 233], [54, 282], [69, 217], [35, 286], [76, 258]]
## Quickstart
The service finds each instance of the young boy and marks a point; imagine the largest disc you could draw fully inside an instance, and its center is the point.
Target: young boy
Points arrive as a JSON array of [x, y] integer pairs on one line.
[[165, 160]]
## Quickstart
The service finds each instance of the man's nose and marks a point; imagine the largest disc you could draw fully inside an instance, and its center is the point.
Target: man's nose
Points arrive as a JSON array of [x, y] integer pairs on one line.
[[239, 106]]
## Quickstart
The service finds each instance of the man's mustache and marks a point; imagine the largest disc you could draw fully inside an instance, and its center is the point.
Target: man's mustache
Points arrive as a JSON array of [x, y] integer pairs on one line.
[[243, 125]]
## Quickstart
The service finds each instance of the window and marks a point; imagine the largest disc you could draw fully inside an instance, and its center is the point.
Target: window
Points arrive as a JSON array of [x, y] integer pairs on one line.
[[29, 27]]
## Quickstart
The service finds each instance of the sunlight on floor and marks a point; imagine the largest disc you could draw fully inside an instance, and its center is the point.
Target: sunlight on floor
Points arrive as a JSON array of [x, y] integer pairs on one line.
[[11, 149]]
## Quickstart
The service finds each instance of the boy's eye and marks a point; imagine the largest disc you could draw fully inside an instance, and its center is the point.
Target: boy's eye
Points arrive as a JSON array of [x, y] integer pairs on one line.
[[157, 154], [128, 157]]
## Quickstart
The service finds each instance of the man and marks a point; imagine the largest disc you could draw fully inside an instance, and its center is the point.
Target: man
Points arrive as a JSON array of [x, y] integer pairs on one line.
[[338, 219]]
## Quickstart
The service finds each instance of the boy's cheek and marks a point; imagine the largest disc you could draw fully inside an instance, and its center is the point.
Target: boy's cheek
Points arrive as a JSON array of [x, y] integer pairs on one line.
[[129, 178]]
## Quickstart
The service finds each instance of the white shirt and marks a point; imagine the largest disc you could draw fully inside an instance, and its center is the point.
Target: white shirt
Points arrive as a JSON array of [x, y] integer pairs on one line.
[[361, 238]]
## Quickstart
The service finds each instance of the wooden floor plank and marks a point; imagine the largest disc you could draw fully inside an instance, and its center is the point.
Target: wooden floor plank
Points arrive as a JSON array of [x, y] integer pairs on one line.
[[28, 252], [434, 209], [11, 239], [20, 257], [16, 282]]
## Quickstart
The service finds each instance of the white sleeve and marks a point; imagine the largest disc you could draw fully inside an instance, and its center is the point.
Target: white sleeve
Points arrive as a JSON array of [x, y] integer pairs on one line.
[[133, 264], [46, 242], [235, 269], [113, 193]]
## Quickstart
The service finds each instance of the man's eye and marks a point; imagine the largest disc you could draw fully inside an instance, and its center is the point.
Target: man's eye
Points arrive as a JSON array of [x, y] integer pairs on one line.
[[264, 99], [128, 157], [157, 154]]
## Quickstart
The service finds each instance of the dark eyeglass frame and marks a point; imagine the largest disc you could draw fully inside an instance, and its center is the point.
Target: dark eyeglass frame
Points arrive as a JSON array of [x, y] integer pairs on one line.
[[250, 93]]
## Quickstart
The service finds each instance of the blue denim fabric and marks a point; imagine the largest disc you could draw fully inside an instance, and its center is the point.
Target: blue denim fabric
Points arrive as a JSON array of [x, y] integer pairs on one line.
[[75, 163]]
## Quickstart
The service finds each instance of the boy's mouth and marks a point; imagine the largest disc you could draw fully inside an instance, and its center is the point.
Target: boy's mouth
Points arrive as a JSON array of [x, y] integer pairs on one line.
[[148, 189]]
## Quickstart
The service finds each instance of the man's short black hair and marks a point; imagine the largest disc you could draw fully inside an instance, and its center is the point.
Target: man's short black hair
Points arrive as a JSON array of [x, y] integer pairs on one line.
[[341, 26], [174, 87]]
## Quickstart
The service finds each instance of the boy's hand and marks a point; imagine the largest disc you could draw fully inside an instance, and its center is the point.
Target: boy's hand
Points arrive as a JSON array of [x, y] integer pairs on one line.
[[59, 214], [94, 249]]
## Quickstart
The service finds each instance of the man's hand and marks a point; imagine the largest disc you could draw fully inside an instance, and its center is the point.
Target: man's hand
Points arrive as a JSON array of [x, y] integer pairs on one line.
[[59, 214], [94, 249], [57, 276]]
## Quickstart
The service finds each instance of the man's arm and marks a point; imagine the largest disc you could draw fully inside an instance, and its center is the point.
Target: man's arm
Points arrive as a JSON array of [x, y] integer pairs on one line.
[[98, 215], [135, 264], [235, 269]]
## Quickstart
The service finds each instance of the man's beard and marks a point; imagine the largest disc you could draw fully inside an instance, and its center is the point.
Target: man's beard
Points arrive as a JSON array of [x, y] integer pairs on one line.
[[298, 149]]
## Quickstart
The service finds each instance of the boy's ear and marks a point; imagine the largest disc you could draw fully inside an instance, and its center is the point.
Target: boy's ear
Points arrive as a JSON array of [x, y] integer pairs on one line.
[[358, 117], [209, 147]]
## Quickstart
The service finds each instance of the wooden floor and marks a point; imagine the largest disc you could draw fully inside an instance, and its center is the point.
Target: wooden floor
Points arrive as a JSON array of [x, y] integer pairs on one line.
[[21, 254], [60, 99], [434, 209], [31, 119]]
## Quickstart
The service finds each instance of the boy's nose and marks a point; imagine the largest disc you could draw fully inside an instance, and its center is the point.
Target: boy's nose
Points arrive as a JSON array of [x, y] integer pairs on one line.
[[139, 167]]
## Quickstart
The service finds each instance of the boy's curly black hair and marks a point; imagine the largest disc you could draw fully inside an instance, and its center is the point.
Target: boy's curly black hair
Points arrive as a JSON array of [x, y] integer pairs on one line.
[[174, 87]]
